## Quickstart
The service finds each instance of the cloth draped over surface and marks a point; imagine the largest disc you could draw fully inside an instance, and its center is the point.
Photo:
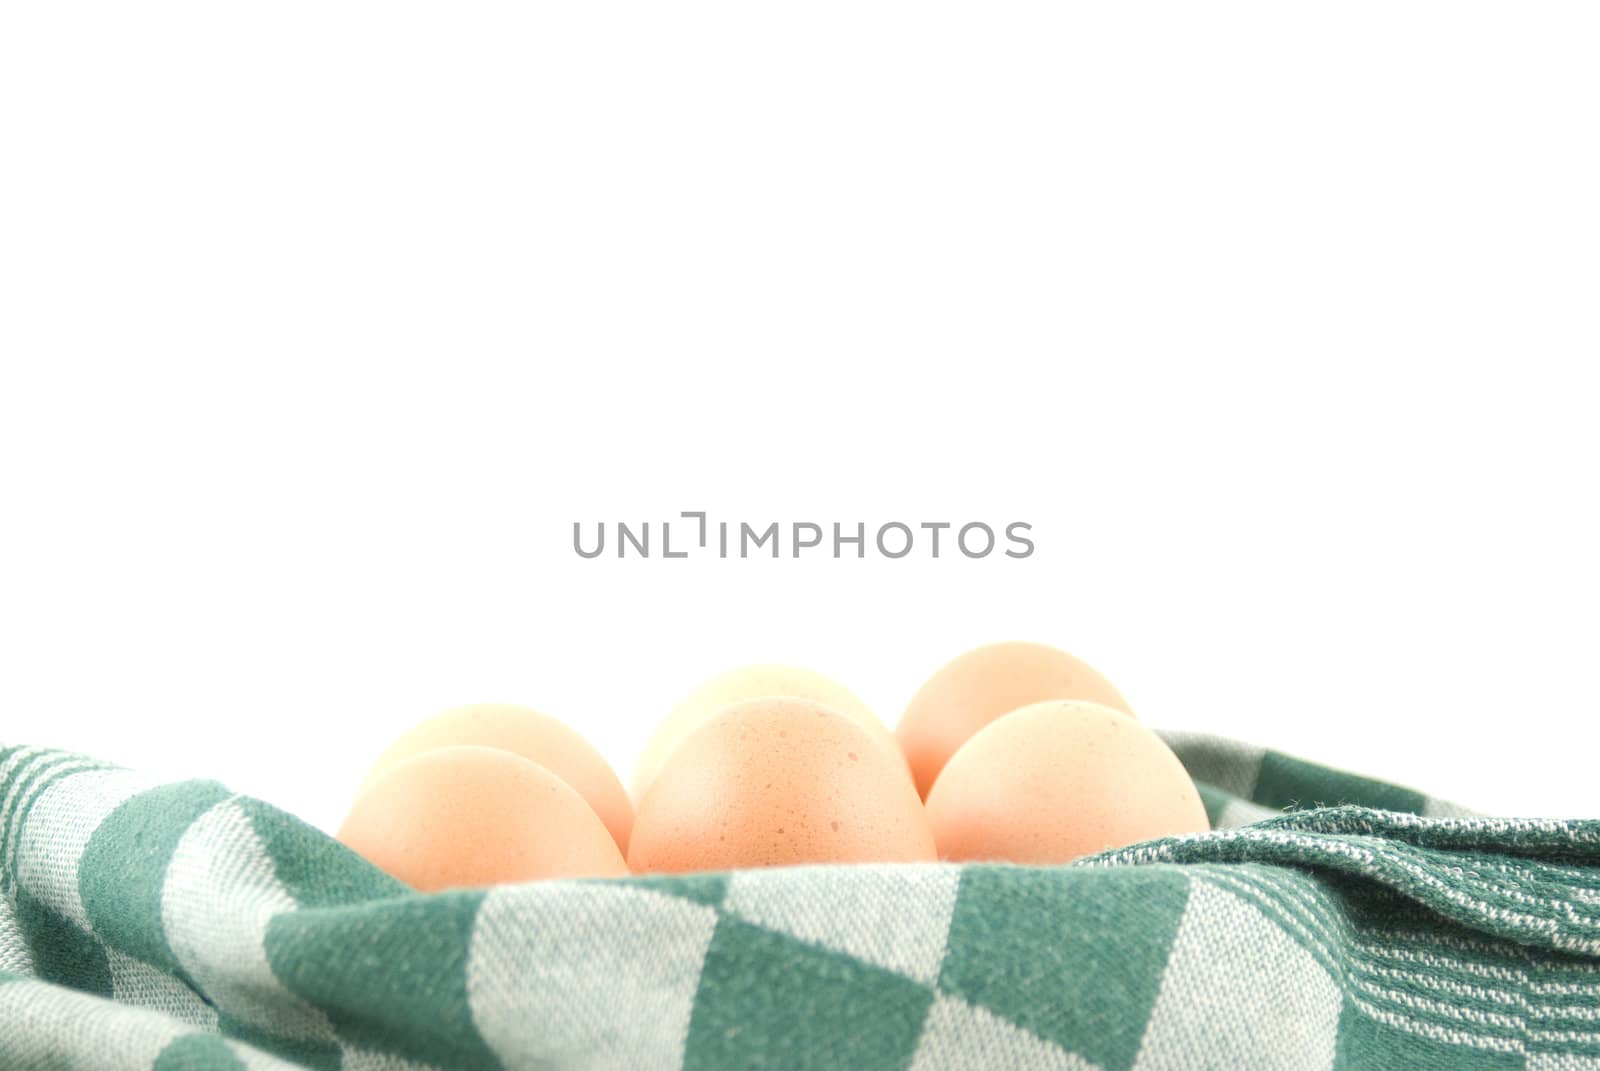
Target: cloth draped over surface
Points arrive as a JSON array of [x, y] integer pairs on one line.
[[1329, 922]]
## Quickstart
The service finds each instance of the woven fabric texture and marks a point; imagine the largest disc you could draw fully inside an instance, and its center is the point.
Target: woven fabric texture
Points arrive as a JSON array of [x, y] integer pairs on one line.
[[1329, 922]]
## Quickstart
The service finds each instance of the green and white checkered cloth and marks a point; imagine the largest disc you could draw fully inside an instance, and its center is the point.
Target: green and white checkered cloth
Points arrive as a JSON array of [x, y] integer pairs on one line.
[[168, 926]]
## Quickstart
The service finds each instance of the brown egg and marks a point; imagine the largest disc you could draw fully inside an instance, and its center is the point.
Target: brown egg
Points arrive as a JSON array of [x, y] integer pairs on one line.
[[773, 782], [468, 816], [532, 735], [1055, 781], [974, 689], [736, 686]]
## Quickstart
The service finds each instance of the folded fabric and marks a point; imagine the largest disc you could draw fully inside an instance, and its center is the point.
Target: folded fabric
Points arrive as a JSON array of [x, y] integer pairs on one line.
[[1331, 922]]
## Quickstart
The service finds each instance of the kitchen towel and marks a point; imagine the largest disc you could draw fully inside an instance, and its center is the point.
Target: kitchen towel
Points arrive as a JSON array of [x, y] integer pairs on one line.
[[1329, 922]]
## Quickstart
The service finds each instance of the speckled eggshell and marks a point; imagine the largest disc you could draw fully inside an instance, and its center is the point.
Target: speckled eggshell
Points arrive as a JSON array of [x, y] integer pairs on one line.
[[975, 688], [736, 686], [775, 782], [464, 816], [1056, 781], [539, 737]]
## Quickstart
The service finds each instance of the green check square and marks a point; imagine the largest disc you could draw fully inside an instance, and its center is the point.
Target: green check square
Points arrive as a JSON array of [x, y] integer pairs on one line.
[[391, 975], [1286, 782], [1074, 955], [767, 1000]]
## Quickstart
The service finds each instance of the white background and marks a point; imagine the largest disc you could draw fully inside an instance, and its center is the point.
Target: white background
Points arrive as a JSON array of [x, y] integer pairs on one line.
[[322, 323]]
